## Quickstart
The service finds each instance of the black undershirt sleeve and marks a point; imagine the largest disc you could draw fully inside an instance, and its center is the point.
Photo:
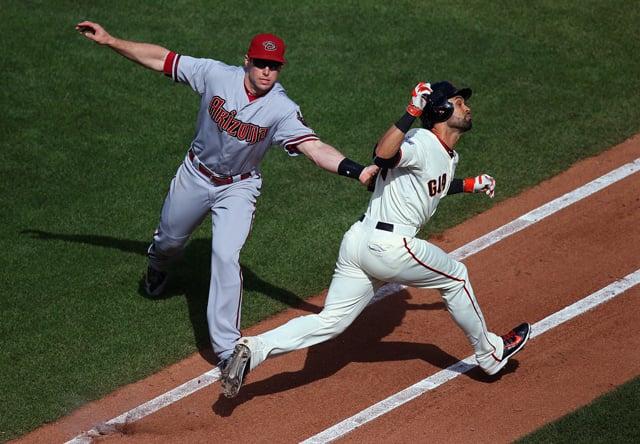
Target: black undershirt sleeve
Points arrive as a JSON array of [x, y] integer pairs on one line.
[[386, 163], [456, 187]]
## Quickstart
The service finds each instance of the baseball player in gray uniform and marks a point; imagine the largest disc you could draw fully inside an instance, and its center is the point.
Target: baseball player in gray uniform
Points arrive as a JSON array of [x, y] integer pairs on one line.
[[243, 112], [417, 170]]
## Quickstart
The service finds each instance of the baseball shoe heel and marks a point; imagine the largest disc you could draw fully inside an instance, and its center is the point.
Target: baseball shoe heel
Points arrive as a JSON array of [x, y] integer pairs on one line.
[[155, 281], [235, 370]]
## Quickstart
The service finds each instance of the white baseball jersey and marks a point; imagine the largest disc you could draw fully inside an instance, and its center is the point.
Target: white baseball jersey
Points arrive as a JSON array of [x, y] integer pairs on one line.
[[233, 133], [412, 199], [382, 248]]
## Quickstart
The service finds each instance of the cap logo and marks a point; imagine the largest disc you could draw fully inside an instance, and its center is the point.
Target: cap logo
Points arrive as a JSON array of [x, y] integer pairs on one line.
[[269, 46]]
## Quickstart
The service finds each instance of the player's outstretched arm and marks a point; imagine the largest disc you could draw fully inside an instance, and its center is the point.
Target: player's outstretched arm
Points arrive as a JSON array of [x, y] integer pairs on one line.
[[149, 55], [479, 184], [330, 159], [386, 151]]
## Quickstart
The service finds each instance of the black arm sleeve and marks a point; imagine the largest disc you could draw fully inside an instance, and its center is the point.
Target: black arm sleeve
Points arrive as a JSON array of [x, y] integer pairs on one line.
[[456, 187], [404, 125], [385, 163]]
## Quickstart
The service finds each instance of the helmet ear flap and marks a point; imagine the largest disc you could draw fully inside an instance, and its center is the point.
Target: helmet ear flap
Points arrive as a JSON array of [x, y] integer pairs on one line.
[[439, 108]]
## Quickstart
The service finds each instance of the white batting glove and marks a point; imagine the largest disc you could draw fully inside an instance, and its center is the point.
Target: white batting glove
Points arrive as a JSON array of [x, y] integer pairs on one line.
[[480, 184], [419, 97]]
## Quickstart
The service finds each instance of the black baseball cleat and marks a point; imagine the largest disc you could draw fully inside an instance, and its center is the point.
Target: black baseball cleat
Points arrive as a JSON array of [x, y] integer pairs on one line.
[[235, 370], [155, 281], [515, 340], [512, 343]]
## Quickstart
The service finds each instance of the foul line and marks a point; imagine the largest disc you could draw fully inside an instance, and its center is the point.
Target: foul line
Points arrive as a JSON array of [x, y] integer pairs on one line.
[[385, 406], [546, 210], [373, 412], [149, 407]]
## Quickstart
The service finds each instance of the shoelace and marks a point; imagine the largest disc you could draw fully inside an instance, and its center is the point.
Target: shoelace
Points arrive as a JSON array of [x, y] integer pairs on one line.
[[511, 339]]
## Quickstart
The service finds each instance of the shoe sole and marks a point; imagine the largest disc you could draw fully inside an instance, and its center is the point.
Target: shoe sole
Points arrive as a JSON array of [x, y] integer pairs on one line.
[[155, 294], [234, 373]]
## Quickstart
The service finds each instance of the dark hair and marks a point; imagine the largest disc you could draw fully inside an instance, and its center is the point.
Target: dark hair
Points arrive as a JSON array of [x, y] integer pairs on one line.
[[427, 122]]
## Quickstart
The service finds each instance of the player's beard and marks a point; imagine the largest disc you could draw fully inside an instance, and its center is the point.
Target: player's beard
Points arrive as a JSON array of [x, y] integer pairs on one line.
[[461, 123]]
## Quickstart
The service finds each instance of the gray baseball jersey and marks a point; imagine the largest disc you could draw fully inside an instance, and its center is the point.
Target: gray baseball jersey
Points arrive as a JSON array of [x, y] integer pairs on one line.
[[220, 176], [233, 133]]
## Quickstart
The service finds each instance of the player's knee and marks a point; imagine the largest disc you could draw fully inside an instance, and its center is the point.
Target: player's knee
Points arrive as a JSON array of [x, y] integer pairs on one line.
[[224, 256], [335, 322], [460, 278], [165, 246], [460, 272]]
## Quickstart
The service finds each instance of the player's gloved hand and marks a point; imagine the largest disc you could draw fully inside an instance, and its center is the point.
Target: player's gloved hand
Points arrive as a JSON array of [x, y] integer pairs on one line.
[[419, 97], [480, 184]]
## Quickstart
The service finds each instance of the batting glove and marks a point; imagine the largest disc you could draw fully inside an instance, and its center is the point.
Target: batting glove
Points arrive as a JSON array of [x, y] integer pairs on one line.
[[419, 98], [480, 184]]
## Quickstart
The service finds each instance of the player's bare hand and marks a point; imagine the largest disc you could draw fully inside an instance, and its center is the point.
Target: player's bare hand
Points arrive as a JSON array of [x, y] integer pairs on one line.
[[368, 175], [94, 32], [480, 184], [419, 97]]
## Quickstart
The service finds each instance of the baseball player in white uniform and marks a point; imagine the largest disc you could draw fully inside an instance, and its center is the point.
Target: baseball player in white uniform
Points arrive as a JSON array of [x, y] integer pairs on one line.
[[243, 112], [417, 170]]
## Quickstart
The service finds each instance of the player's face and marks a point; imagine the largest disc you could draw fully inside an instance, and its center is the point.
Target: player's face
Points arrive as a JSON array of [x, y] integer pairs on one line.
[[461, 118], [261, 75]]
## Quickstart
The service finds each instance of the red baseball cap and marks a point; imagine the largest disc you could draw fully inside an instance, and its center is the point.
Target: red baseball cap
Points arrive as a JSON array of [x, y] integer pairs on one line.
[[267, 47]]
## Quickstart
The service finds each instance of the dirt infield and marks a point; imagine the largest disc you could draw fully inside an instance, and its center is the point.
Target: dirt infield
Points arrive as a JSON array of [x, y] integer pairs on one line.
[[409, 336]]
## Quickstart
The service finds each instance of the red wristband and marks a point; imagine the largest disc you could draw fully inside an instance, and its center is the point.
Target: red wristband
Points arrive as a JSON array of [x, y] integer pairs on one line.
[[467, 185], [415, 112]]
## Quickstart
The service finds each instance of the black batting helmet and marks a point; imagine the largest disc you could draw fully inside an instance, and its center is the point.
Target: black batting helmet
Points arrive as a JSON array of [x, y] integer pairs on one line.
[[438, 108]]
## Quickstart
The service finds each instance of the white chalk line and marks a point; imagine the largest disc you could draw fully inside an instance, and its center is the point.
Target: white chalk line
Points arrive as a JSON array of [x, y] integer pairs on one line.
[[463, 252], [392, 402], [530, 218], [546, 210], [148, 407]]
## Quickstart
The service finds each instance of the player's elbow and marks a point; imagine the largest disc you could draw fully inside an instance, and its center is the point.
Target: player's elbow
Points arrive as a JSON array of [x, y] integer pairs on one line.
[[383, 162]]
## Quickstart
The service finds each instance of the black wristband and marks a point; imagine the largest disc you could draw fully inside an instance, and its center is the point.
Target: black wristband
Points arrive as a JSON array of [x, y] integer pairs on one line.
[[349, 168], [405, 122], [457, 186]]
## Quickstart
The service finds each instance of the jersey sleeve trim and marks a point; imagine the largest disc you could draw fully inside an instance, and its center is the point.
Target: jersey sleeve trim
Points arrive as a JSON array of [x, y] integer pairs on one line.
[[171, 65], [291, 146]]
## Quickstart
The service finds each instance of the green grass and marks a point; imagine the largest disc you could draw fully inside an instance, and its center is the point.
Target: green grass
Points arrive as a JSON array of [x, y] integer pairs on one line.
[[90, 142], [612, 418]]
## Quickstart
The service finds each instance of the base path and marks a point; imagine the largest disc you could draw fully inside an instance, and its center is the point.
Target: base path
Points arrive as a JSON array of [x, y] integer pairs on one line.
[[587, 249]]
